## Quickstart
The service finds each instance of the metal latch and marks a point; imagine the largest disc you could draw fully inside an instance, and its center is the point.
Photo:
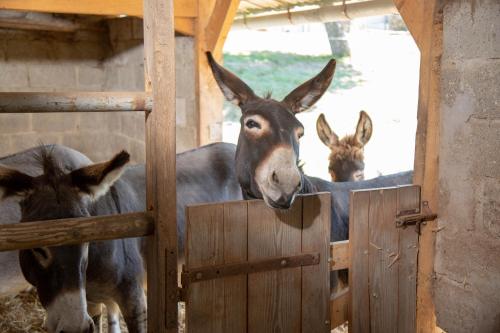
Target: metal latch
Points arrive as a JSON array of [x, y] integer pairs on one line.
[[406, 218]]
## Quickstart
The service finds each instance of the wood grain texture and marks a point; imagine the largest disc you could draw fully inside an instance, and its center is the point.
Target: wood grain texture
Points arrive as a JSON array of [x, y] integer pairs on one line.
[[235, 250], [205, 246], [427, 153], [316, 279], [159, 69], [408, 199], [27, 235], [339, 305], [359, 311], [185, 8], [274, 298], [219, 25], [34, 102], [383, 261], [339, 255]]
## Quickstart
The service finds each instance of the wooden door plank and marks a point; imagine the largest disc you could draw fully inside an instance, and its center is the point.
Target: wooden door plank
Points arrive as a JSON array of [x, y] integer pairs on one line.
[[359, 321], [383, 261], [408, 199], [339, 304], [339, 255], [205, 246], [235, 250], [316, 279], [274, 298]]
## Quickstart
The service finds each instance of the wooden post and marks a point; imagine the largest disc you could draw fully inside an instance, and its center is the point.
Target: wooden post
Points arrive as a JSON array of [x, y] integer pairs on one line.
[[211, 28], [424, 21], [159, 67]]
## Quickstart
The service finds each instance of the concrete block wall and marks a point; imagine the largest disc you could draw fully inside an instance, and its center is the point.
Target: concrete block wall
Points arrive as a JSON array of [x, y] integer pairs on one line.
[[109, 58], [467, 263]]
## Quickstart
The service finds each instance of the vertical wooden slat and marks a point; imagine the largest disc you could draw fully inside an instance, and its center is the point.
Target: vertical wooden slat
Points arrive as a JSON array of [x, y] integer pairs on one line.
[[160, 165], [235, 250], [205, 247], [408, 199], [316, 279], [383, 261], [359, 311], [274, 298]]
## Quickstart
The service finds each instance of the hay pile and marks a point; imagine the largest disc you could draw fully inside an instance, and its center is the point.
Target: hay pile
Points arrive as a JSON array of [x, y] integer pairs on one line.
[[23, 313]]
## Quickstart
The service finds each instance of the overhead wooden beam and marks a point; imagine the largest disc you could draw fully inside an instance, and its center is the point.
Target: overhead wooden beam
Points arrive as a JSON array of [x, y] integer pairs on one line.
[[27, 235], [219, 25], [182, 8], [185, 26]]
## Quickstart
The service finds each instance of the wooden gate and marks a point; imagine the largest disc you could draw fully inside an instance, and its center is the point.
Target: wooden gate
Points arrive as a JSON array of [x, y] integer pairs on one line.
[[250, 268], [383, 259]]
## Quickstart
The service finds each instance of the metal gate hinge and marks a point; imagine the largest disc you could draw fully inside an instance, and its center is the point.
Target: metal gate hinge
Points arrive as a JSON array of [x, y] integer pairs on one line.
[[403, 219]]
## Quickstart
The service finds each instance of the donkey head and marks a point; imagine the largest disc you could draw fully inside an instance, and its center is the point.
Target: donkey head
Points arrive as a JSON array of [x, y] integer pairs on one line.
[[346, 157], [58, 273], [268, 144]]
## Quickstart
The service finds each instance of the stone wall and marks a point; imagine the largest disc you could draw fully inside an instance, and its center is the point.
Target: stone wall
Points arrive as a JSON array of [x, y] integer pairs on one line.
[[467, 263], [107, 58]]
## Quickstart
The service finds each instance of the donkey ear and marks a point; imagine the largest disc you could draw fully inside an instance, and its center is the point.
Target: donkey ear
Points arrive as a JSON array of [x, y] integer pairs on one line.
[[14, 183], [363, 129], [96, 179], [234, 89], [325, 133], [308, 93]]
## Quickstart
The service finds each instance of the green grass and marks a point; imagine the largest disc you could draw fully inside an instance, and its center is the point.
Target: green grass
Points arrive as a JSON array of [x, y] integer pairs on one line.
[[280, 73]]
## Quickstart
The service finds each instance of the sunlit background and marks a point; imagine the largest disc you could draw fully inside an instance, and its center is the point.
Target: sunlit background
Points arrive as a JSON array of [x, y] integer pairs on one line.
[[378, 73]]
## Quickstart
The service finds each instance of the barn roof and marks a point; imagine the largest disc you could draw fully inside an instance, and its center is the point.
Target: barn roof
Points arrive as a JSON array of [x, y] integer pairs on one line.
[[261, 6]]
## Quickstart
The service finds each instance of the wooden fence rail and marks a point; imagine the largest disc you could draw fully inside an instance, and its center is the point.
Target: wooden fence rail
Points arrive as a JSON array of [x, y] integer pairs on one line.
[[36, 102], [27, 235]]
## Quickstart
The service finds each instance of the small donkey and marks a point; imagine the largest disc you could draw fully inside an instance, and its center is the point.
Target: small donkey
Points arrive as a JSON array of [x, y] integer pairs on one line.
[[109, 272], [347, 154]]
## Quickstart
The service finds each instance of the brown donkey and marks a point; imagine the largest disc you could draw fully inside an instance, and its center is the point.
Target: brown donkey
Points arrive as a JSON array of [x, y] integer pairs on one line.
[[347, 154]]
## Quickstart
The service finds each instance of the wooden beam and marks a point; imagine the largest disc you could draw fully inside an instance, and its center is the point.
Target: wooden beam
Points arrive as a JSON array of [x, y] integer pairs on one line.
[[182, 8], [159, 66], [219, 25], [339, 255], [184, 26], [28, 235], [427, 151], [20, 102], [209, 98], [413, 14], [339, 305]]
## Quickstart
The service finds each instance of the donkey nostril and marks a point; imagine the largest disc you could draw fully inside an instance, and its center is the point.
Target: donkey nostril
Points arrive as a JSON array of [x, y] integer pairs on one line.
[[275, 178]]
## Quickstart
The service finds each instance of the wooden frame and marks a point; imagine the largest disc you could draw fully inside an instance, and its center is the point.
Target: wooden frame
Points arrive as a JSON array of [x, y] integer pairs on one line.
[[160, 220]]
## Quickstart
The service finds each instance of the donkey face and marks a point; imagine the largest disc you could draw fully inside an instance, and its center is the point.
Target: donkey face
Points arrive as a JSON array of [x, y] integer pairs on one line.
[[346, 157], [268, 144], [58, 273]]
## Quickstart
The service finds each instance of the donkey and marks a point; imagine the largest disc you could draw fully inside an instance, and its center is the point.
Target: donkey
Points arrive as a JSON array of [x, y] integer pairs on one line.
[[347, 154], [110, 272], [268, 148], [203, 175]]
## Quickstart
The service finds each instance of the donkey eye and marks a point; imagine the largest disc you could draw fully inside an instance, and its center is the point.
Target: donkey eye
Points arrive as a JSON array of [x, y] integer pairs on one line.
[[252, 124], [43, 256]]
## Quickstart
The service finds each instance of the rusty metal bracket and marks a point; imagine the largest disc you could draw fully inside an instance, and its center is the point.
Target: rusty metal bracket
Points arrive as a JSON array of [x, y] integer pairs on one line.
[[404, 219], [274, 263]]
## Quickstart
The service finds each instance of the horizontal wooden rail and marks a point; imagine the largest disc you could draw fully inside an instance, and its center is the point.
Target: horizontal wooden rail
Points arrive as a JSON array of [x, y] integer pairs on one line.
[[339, 306], [21, 102], [28, 235], [339, 255]]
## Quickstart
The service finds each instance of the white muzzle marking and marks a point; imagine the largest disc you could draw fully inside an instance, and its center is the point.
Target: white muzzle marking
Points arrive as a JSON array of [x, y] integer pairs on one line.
[[282, 162], [68, 313]]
